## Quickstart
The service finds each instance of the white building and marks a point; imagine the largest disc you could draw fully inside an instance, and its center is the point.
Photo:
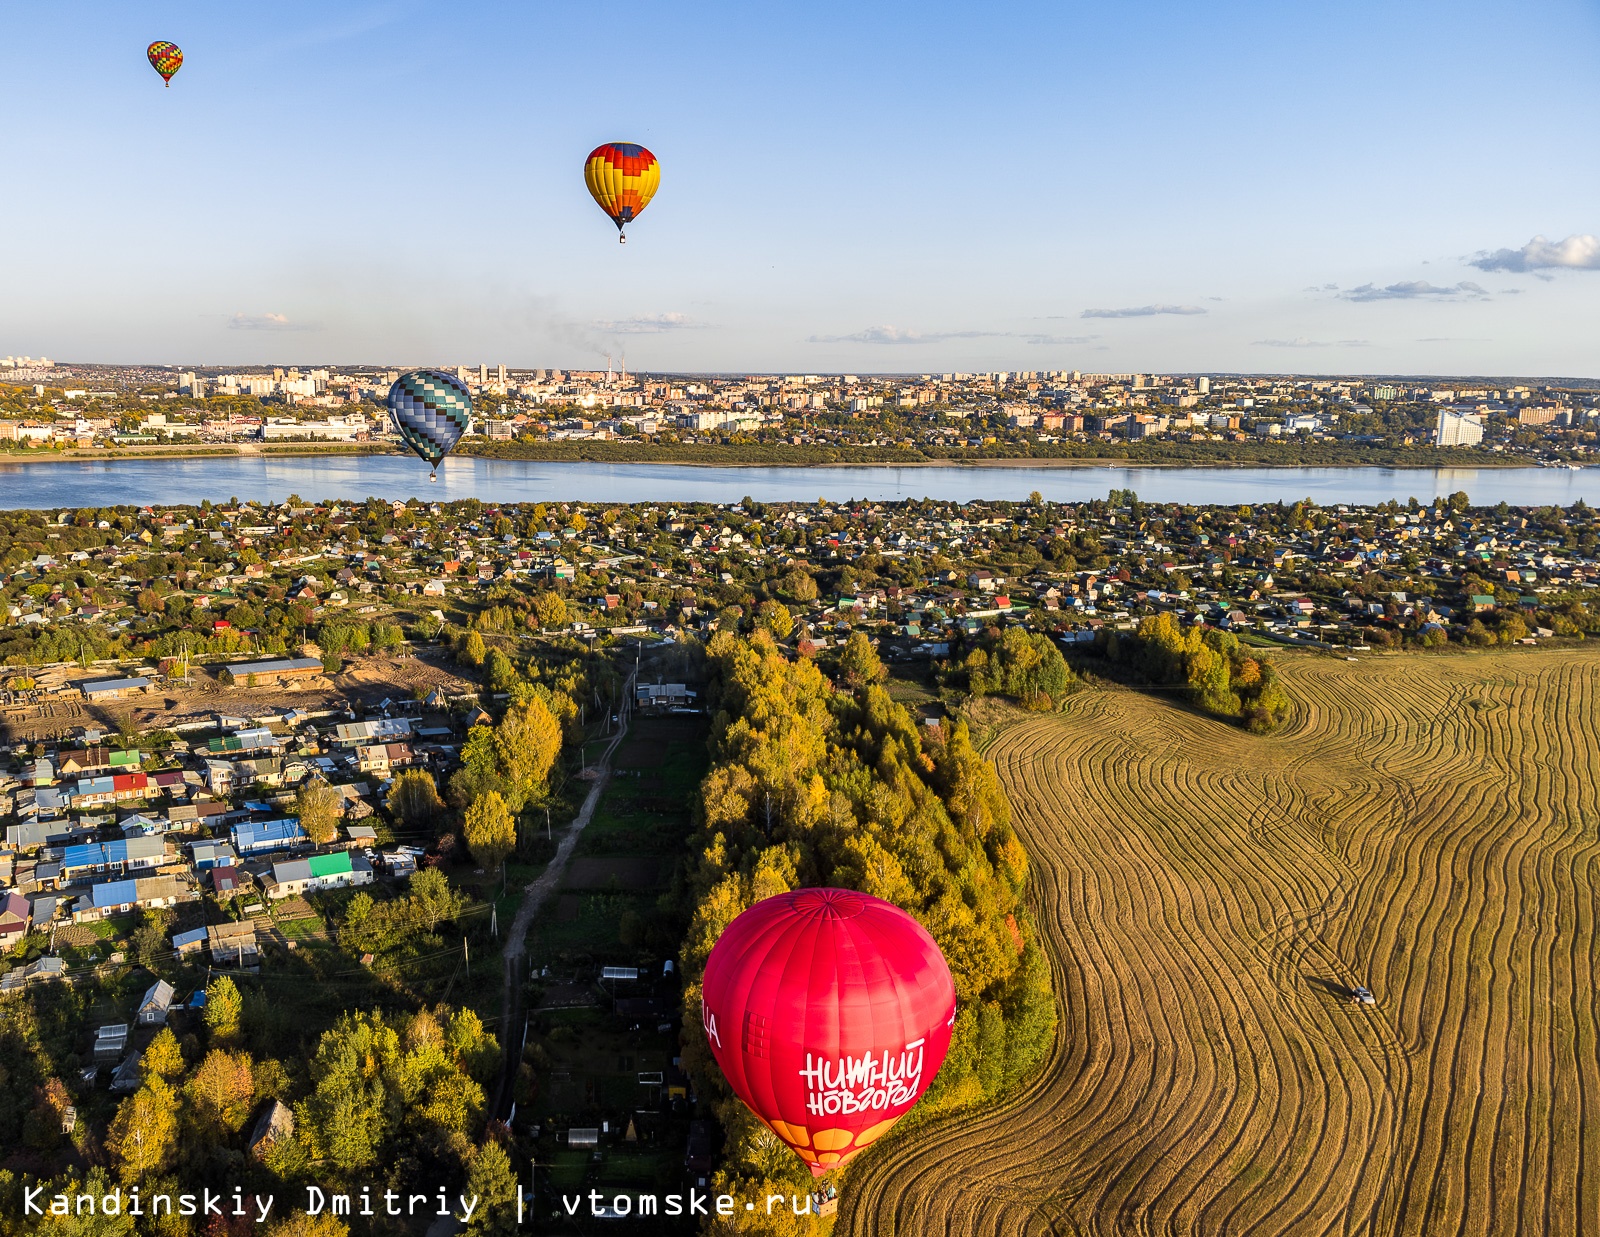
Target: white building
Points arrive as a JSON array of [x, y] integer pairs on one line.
[[1458, 429]]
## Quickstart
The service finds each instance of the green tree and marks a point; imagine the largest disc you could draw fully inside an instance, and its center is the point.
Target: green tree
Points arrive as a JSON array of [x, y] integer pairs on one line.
[[414, 799], [472, 650], [491, 833], [491, 1179], [480, 767], [223, 1007], [150, 944], [551, 609], [163, 1058], [775, 617], [432, 900], [319, 809], [499, 672], [528, 741], [859, 663], [800, 585]]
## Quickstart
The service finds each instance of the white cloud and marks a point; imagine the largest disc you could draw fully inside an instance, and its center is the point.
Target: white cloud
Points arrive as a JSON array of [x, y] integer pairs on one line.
[[267, 322], [1142, 311], [894, 335], [1300, 341], [1414, 289], [651, 324], [1580, 253]]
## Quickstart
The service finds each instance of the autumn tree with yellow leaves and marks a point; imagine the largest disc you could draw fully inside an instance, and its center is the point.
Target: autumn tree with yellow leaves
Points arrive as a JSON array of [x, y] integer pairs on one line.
[[819, 783]]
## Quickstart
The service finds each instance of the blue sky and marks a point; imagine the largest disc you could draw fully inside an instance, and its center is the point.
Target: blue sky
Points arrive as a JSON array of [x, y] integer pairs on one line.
[[861, 187]]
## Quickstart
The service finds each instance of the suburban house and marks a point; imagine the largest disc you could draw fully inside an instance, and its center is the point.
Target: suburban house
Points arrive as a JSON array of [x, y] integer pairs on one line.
[[77, 762], [262, 837], [382, 757], [663, 696], [125, 855], [247, 742], [15, 914], [375, 730], [233, 944], [317, 872], [153, 1009], [116, 788], [131, 893], [212, 853]]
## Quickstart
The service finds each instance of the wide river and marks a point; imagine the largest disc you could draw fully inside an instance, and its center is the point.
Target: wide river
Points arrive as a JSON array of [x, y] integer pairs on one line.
[[163, 482]]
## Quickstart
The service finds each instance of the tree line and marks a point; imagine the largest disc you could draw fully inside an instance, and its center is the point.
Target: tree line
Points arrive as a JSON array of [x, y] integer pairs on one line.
[[834, 783], [1215, 671]]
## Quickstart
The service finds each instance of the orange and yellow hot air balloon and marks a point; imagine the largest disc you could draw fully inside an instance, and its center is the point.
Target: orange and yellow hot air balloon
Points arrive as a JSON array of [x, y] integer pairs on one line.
[[623, 177], [165, 59]]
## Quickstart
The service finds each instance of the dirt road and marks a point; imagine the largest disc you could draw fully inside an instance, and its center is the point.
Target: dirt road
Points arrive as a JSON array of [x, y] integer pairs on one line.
[[534, 897]]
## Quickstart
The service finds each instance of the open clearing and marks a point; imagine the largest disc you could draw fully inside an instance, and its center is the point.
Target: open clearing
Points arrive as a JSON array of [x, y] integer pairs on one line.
[[1425, 827]]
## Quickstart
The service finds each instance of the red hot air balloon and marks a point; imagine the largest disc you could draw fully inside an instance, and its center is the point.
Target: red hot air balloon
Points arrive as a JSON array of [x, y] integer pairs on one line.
[[830, 1012]]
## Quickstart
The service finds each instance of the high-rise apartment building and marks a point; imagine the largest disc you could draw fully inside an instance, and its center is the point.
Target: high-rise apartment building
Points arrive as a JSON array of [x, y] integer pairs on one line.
[[1457, 429]]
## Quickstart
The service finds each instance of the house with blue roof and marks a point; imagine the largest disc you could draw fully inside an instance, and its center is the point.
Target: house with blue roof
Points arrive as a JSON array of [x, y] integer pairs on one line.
[[263, 837], [212, 854], [124, 855], [129, 894], [107, 898]]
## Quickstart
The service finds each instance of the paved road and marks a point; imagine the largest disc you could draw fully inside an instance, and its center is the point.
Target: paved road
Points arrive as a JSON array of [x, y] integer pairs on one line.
[[534, 896]]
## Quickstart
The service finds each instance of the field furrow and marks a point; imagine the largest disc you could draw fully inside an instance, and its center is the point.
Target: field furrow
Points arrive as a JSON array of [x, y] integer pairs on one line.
[[1428, 827]]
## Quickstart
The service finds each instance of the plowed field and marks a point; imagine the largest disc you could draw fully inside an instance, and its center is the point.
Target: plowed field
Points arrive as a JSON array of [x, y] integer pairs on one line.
[[1425, 827]]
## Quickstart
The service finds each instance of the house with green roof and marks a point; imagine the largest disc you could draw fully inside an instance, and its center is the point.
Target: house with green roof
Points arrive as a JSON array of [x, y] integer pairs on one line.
[[333, 871]]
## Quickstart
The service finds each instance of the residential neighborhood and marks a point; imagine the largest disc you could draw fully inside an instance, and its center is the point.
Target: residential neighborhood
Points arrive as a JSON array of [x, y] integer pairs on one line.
[[1028, 413], [226, 656]]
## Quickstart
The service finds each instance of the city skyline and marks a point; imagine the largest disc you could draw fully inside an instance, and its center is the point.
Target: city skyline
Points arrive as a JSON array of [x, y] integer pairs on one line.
[[843, 191]]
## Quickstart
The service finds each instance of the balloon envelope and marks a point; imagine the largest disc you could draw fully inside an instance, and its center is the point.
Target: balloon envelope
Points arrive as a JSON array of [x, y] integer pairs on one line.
[[431, 409], [622, 177], [165, 59], [829, 1012]]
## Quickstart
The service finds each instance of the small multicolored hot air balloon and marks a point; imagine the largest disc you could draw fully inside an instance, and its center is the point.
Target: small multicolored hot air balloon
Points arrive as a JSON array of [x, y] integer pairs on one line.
[[622, 177], [829, 1012], [431, 409], [165, 59]]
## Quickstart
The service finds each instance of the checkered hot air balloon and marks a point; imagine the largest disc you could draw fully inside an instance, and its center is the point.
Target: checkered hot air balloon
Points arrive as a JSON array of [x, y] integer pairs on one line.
[[165, 59], [622, 177], [431, 410]]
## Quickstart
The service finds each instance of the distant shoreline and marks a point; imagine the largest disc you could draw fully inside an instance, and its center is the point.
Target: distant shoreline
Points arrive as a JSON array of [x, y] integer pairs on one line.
[[668, 460]]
